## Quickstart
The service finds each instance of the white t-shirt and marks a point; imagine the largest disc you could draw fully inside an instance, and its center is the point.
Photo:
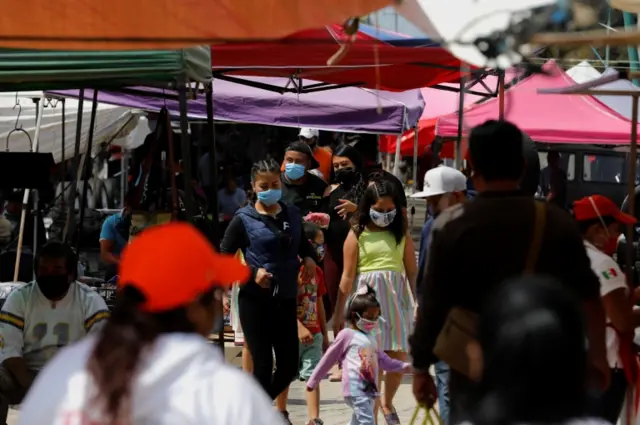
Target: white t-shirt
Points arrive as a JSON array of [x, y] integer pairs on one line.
[[611, 278], [35, 328], [182, 380]]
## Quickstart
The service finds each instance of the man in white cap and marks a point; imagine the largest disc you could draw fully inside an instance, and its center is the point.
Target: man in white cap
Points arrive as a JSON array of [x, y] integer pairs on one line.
[[443, 188], [322, 155]]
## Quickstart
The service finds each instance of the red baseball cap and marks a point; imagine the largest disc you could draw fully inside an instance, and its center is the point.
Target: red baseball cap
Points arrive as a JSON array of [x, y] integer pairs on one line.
[[595, 206], [172, 264]]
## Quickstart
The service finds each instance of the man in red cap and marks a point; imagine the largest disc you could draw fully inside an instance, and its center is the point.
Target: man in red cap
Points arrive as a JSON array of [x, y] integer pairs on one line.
[[599, 220]]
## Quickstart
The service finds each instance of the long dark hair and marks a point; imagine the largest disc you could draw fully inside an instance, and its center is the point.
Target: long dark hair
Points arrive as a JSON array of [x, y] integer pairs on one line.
[[125, 338], [355, 191], [531, 329], [375, 191]]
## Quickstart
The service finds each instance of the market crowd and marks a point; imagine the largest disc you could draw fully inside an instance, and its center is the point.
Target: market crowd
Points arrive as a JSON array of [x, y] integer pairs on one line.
[[517, 304]]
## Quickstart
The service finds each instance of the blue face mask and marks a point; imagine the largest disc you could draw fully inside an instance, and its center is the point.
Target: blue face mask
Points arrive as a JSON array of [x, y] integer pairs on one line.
[[294, 171], [269, 197]]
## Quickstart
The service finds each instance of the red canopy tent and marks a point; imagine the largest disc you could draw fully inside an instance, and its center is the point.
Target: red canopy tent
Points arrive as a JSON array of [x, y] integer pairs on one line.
[[437, 103], [367, 61]]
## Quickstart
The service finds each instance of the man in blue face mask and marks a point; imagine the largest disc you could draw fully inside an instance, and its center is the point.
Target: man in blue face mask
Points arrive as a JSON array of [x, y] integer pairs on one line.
[[299, 187]]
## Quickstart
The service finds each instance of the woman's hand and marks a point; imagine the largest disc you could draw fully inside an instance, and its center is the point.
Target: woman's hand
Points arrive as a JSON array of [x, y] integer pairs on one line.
[[345, 208], [309, 268], [263, 278]]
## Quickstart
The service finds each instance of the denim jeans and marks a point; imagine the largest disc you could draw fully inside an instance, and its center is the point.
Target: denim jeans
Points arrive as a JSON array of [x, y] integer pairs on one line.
[[362, 410], [442, 385]]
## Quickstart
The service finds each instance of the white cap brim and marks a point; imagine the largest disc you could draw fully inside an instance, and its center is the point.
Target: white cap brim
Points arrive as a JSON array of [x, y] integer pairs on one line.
[[427, 193]]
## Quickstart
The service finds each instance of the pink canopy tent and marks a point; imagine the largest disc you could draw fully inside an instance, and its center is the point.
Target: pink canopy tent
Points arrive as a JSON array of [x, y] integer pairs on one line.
[[439, 103], [548, 118]]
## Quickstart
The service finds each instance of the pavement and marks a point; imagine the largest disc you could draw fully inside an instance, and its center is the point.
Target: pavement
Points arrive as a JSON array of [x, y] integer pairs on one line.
[[333, 410]]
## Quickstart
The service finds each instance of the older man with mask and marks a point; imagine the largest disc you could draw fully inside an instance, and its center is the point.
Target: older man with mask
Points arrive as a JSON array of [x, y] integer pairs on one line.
[[300, 187], [444, 187]]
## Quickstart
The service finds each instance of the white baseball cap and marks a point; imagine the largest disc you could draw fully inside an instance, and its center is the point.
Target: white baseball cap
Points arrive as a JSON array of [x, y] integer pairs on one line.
[[441, 180], [309, 133]]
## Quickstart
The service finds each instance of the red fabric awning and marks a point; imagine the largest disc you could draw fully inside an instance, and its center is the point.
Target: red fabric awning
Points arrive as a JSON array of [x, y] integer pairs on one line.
[[305, 55]]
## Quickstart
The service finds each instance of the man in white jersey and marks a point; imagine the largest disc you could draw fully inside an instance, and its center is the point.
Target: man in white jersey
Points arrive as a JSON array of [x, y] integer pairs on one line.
[[41, 317]]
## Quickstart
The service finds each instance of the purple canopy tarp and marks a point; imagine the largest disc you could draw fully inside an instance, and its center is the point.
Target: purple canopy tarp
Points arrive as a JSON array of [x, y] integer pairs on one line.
[[347, 109]]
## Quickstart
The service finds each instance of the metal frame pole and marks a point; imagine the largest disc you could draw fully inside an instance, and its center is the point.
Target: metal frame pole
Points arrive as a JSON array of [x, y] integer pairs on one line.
[[76, 164], [85, 169], [186, 151], [631, 187]]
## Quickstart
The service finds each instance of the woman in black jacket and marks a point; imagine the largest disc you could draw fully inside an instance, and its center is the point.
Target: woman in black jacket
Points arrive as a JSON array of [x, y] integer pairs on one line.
[[269, 234]]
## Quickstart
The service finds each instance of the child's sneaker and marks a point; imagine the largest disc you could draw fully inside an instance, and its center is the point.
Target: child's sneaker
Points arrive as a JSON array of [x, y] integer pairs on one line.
[[315, 421]]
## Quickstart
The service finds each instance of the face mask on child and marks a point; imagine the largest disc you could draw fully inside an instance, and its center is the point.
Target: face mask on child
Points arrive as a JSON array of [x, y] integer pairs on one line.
[[382, 219], [370, 327]]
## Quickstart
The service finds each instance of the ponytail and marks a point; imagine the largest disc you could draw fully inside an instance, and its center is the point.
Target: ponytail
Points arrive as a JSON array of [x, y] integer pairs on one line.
[[125, 338]]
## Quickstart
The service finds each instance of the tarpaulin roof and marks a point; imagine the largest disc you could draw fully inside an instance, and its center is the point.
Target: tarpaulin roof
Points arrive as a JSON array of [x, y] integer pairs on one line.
[[584, 72], [368, 61], [437, 103], [113, 125], [164, 24], [551, 118], [347, 109], [22, 70]]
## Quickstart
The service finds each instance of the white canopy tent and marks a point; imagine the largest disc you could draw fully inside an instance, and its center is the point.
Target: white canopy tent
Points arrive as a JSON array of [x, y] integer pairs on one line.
[[584, 72], [121, 126]]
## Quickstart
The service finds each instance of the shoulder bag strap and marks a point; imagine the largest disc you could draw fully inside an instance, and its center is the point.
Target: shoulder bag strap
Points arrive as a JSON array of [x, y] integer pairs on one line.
[[538, 236]]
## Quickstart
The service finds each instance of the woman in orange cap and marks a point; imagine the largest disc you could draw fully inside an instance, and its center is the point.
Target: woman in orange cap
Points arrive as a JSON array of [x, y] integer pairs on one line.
[[152, 362], [599, 220]]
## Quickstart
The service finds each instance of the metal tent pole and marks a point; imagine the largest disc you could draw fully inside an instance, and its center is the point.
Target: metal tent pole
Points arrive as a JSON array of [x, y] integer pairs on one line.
[[213, 169], [76, 164], [36, 198], [213, 187], [87, 166], [25, 199], [186, 151], [631, 185], [463, 79]]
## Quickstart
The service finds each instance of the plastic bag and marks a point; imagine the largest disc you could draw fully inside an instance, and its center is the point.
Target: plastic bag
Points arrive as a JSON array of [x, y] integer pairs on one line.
[[431, 417]]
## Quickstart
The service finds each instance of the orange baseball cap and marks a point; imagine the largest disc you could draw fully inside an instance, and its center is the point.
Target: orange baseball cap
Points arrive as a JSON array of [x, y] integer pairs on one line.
[[172, 264]]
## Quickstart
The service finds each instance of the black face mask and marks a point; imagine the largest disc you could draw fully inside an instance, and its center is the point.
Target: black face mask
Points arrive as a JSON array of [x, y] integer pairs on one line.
[[53, 287], [346, 176]]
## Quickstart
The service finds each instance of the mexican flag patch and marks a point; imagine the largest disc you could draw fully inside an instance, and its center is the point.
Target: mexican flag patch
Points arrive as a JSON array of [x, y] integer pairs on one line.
[[608, 274]]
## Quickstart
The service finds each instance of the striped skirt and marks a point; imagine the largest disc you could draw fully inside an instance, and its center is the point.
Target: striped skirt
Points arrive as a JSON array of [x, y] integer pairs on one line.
[[396, 307]]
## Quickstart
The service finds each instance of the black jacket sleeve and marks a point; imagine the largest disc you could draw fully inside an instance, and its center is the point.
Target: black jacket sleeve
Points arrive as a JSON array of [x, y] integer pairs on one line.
[[235, 238], [435, 301]]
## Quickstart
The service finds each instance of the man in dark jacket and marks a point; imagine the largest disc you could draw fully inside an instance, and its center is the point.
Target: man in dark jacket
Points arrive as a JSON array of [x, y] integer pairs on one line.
[[477, 246]]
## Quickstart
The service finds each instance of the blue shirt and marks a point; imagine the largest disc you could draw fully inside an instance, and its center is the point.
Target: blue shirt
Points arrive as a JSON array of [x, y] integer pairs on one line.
[[229, 203], [110, 232]]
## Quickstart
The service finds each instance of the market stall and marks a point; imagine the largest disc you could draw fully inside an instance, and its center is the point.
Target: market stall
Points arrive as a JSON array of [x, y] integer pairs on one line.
[[345, 109], [168, 24], [547, 118], [335, 57], [18, 109]]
